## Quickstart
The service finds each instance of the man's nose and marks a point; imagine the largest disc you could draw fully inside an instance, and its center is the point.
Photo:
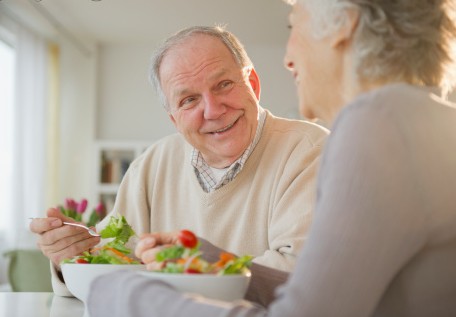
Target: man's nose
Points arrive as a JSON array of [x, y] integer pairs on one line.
[[214, 108]]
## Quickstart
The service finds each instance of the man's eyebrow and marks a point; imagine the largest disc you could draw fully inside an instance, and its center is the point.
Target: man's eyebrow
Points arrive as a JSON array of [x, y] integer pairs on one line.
[[177, 93]]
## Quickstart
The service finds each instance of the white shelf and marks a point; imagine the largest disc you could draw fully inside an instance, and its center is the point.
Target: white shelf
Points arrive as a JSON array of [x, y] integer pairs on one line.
[[112, 159], [107, 188]]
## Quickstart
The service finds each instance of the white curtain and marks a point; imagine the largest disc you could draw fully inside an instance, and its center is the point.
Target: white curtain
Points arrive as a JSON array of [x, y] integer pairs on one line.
[[26, 197]]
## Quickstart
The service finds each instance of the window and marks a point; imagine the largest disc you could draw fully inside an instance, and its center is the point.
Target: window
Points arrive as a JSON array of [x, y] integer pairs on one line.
[[23, 87], [7, 88]]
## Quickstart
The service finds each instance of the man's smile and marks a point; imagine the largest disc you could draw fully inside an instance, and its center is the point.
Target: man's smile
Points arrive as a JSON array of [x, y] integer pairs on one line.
[[224, 129]]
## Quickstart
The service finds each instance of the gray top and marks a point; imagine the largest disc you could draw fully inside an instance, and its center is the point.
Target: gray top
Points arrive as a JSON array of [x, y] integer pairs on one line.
[[383, 238]]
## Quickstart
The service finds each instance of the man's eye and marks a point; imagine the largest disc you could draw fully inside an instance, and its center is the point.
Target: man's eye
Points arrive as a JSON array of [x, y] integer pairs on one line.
[[225, 84], [188, 103]]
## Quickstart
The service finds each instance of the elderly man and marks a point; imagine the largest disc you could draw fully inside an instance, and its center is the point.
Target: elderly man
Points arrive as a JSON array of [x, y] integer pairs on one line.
[[234, 174]]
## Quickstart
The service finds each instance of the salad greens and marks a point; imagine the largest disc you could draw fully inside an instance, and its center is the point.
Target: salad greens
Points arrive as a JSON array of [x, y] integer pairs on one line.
[[186, 258], [121, 231], [113, 252]]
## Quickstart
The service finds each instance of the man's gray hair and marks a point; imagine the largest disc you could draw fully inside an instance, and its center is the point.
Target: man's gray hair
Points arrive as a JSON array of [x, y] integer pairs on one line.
[[407, 40], [231, 42]]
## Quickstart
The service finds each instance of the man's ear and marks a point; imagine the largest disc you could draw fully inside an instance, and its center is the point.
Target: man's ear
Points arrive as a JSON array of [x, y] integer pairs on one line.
[[346, 31], [255, 82]]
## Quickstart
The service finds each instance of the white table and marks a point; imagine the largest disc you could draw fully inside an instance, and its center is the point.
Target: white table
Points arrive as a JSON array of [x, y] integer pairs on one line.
[[39, 305]]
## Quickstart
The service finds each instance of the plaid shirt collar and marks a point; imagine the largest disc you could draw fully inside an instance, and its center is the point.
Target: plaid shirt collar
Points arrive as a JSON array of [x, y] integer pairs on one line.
[[204, 173]]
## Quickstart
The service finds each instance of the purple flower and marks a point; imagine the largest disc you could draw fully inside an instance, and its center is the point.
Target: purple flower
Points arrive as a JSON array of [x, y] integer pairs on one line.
[[81, 207]]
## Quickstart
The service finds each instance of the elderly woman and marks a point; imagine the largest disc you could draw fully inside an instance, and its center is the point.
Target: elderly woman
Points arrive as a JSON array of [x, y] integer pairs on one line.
[[383, 240]]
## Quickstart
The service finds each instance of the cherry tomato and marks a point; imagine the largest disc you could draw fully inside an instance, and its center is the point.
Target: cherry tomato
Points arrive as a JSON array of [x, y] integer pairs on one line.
[[188, 239], [192, 271], [81, 261]]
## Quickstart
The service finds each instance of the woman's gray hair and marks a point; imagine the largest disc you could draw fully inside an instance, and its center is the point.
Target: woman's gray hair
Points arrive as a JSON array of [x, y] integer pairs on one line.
[[396, 40], [231, 42]]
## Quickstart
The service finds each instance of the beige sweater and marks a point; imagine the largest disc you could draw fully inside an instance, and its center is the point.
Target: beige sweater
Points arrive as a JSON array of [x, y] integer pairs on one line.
[[265, 211]]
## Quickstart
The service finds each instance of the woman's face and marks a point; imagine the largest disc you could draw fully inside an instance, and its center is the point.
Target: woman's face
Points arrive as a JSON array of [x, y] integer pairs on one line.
[[315, 65]]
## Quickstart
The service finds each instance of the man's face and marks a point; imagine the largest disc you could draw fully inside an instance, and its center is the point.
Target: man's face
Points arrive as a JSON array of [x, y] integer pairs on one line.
[[212, 101]]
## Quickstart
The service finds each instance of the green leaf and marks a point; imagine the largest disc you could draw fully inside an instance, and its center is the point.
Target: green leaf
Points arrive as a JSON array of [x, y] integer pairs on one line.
[[237, 266], [119, 229], [93, 219], [172, 267], [172, 252]]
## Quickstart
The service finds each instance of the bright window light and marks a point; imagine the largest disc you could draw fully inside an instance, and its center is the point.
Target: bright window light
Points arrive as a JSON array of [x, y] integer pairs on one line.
[[7, 84]]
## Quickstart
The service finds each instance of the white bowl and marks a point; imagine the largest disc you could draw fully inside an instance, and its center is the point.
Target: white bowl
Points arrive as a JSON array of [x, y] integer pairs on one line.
[[222, 287], [78, 277]]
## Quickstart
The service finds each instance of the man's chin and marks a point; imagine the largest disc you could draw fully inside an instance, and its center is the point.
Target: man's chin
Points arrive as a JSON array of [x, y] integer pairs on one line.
[[307, 114]]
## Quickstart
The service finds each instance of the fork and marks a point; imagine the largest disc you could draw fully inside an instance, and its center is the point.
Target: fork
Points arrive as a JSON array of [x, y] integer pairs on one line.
[[91, 232]]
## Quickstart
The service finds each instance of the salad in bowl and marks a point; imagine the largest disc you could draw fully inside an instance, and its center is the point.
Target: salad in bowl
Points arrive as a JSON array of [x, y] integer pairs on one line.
[[79, 271], [183, 267], [186, 257], [113, 252]]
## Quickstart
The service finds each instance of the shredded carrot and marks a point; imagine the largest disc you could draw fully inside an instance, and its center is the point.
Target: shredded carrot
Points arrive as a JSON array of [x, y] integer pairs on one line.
[[224, 258], [95, 250], [194, 261], [116, 252], [120, 254]]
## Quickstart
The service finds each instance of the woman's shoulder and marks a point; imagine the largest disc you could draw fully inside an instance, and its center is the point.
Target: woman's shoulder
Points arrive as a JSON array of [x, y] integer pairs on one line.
[[387, 97], [385, 105], [398, 97]]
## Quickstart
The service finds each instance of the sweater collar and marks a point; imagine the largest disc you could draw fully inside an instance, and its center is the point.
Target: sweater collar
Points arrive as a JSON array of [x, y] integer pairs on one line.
[[207, 179]]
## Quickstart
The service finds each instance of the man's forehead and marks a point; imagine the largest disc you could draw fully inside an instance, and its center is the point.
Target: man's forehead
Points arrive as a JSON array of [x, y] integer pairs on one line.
[[182, 86]]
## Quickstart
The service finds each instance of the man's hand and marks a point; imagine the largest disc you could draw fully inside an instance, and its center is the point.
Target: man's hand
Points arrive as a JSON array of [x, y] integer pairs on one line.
[[57, 241], [151, 243]]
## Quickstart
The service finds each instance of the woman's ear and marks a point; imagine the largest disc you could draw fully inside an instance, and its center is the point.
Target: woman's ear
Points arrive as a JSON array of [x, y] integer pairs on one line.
[[347, 29], [255, 82]]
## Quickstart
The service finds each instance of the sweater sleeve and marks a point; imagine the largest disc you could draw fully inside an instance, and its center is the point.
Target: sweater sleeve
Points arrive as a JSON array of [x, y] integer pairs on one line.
[[58, 285], [292, 207], [139, 296], [367, 224]]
